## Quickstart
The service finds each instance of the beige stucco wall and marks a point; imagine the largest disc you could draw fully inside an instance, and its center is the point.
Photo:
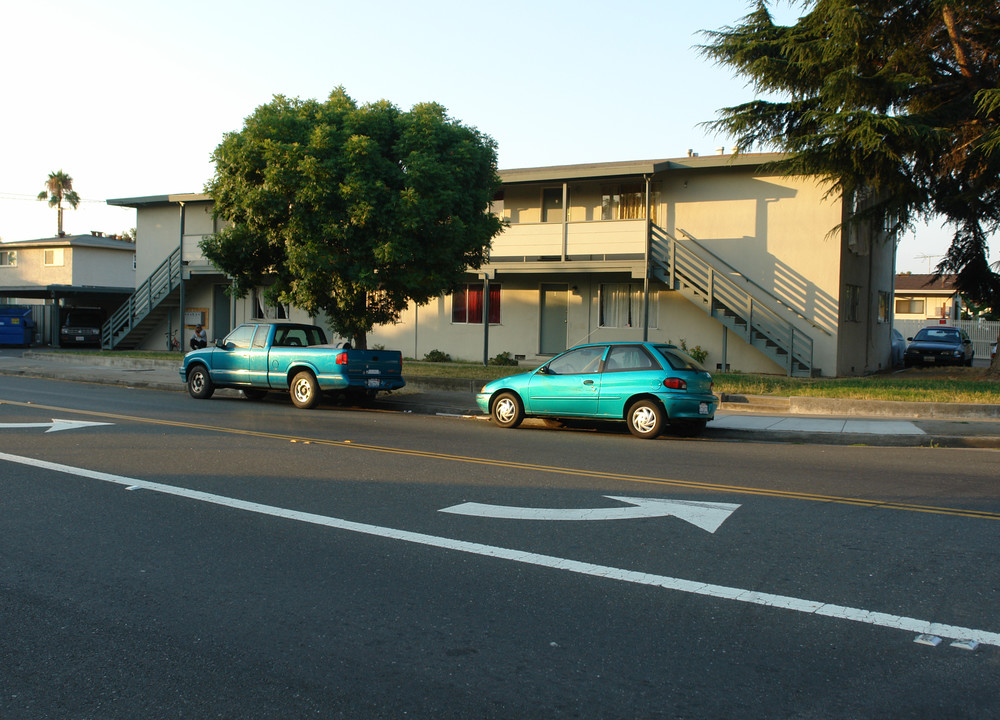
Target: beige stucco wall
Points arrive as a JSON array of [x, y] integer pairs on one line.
[[430, 328], [80, 266]]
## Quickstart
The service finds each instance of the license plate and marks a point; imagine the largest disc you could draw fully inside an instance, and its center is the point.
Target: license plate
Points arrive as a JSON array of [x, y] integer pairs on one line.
[[373, 371], [703, 409], [80, 338], [373, 383], [928, 358]]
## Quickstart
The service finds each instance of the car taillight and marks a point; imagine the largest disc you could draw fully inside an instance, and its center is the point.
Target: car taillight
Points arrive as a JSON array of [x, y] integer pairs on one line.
[[341, 358], [675, 384]]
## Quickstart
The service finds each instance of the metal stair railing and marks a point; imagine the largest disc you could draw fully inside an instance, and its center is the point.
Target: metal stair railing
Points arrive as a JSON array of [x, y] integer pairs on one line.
[[753, 319], [153, 290]]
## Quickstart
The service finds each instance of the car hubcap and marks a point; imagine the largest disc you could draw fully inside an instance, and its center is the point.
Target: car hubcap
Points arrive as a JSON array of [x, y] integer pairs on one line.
[[506, 410], [644, 420], [302, 390], [197, 382]]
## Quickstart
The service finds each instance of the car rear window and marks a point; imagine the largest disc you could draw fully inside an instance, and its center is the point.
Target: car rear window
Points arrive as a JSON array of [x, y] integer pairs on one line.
[[937, 335], [677, 359]]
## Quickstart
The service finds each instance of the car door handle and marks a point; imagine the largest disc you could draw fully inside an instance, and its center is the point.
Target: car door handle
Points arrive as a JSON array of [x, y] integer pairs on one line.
[[588, 382]]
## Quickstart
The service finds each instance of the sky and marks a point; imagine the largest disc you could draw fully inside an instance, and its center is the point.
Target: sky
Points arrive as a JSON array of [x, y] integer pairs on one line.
[[131, 98]]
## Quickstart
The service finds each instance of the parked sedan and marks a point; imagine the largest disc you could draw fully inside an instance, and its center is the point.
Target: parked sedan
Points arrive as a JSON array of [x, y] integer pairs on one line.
[[646, 385], [939, 345]]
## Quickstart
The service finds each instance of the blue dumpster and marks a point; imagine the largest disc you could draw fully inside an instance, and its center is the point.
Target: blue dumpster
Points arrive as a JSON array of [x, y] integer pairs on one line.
[[16, 325]]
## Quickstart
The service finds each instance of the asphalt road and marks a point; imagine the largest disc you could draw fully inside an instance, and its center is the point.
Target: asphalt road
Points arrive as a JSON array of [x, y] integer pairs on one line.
[[238, 559]]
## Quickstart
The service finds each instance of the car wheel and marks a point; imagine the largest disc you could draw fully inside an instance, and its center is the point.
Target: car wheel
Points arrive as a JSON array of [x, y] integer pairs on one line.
[[254, 393], [507, 411], [645, 419], [304, 390], [199, 384]]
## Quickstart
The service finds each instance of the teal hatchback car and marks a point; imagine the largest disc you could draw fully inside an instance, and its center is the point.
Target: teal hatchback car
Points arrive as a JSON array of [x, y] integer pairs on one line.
[[646, 385]]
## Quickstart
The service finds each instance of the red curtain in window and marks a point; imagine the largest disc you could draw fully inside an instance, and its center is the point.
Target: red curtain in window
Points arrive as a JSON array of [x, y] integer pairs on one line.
[[467, 304], [474, 293], [459, 311]]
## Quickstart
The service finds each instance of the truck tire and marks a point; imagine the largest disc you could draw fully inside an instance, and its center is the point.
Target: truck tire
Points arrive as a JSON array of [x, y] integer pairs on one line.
[[199, 383], [304, 390]]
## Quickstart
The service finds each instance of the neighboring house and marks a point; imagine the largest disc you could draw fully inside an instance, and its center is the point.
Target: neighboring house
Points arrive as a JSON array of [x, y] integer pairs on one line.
[[69, 271], [922, 297], [714, 252]]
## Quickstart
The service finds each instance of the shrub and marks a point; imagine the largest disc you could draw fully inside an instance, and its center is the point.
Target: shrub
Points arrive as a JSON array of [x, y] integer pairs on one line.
[[696, 352], [437, 356], [503, 358]]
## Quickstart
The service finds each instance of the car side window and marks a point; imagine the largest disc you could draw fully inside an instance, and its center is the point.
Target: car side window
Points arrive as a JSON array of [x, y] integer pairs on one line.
[[578, 361], [260, 337], [240, 337], [628, 357]]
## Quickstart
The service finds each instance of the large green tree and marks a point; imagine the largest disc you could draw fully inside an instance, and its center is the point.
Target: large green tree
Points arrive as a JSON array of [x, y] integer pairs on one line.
[[352, 211], [896, 102], [59, 187]]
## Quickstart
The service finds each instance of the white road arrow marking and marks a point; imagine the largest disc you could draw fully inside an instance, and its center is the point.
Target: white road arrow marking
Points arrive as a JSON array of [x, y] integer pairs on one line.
[[53, 426], [706, 515]]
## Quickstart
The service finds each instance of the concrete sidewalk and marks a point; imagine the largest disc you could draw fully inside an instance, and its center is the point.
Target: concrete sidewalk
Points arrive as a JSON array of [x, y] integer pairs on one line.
[[766, 419]]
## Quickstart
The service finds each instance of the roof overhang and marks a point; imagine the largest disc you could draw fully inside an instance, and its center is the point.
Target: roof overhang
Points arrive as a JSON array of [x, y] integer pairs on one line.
[[635, 168], [160, 200]]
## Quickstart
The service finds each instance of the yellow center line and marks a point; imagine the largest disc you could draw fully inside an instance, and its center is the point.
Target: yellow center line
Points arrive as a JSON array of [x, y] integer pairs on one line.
[[511, 464]]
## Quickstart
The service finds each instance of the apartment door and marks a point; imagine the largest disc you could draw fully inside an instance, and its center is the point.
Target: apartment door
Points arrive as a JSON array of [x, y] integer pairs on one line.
[[221, 313], [553, 302]]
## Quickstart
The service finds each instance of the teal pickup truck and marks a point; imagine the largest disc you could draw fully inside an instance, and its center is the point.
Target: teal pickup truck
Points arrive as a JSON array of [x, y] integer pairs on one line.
[[289, 357]]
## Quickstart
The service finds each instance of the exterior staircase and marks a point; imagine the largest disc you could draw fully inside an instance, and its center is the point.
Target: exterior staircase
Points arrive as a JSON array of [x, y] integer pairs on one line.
[[745, 308], [131, 323]]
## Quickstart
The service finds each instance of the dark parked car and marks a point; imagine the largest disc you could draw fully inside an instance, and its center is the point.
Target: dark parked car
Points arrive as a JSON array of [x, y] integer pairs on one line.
[[81, 326], [939, 345]]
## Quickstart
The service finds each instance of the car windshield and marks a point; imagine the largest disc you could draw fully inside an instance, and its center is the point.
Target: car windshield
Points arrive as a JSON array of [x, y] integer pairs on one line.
[[937, 335], [88, 318], [677, 359]]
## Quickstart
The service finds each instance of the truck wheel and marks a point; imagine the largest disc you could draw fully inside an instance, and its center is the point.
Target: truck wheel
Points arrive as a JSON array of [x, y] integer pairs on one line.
[[305, 390], [645, 419], [199, 383], [507, 412]]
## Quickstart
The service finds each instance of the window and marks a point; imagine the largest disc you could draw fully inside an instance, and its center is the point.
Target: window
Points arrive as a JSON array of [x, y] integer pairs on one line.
[[626, 201], [8, 258], [53, 258], [621, 305], [852, 303], [909, 306], [552, 205], [467, 304], [263, 311], [240, 337], [627, 357], [884, 303], [578, 362], [299, 336]]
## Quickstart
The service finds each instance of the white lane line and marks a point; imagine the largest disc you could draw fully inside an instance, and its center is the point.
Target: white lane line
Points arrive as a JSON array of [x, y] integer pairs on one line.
[[886, 620]]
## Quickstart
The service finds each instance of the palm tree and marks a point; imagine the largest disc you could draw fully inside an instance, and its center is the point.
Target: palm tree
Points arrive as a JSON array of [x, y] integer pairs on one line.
[[58, 188]]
